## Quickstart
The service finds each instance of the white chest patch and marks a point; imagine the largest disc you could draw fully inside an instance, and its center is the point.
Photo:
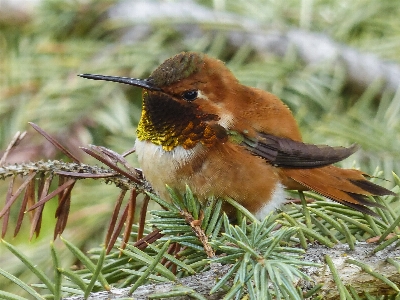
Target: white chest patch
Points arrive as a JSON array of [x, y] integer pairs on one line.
[[278, 197], [150, 154], [162, 167]]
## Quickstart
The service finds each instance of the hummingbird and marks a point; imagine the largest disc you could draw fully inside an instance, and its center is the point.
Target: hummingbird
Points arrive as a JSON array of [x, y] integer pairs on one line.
[[201, 127]]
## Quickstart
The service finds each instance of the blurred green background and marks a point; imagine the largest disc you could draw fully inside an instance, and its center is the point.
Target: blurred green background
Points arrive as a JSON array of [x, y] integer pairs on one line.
[[45, 44]]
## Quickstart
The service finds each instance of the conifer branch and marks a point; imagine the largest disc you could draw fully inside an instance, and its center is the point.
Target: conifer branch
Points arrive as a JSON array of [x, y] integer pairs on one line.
[[340, 254], [69, 169]]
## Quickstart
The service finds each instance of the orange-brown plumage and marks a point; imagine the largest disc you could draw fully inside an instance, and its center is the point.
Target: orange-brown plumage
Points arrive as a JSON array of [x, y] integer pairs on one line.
[[201, 127]]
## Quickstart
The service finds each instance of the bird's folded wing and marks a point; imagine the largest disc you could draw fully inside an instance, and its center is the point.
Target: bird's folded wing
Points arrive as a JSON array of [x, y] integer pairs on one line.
[[286, 153]]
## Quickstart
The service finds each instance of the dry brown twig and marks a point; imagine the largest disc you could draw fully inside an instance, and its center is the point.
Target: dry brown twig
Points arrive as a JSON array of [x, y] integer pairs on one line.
[[68, 173]]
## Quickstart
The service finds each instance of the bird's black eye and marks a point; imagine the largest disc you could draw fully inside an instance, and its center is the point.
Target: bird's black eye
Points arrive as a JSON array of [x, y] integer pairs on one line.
[[190, 95]]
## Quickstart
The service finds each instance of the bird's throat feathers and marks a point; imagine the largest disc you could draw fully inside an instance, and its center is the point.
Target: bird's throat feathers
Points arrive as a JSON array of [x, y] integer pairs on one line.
[[170, 123]]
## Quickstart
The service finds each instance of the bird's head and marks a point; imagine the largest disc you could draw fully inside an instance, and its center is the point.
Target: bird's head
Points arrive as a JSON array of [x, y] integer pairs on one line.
[[184, 101]]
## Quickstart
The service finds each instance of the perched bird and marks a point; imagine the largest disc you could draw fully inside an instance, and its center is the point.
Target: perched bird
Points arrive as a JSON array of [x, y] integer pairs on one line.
[[201, 127]]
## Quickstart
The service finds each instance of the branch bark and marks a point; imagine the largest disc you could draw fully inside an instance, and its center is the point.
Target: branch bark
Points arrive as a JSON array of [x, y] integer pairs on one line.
[[201, 283], [350, 275]]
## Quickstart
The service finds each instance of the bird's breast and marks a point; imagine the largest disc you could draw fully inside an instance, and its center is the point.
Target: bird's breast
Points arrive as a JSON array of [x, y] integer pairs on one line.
[[227, 170], [161, 167]]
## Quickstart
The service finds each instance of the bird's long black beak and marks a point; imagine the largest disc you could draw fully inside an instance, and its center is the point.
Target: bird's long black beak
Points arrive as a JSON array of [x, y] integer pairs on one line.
[[143, 83]]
